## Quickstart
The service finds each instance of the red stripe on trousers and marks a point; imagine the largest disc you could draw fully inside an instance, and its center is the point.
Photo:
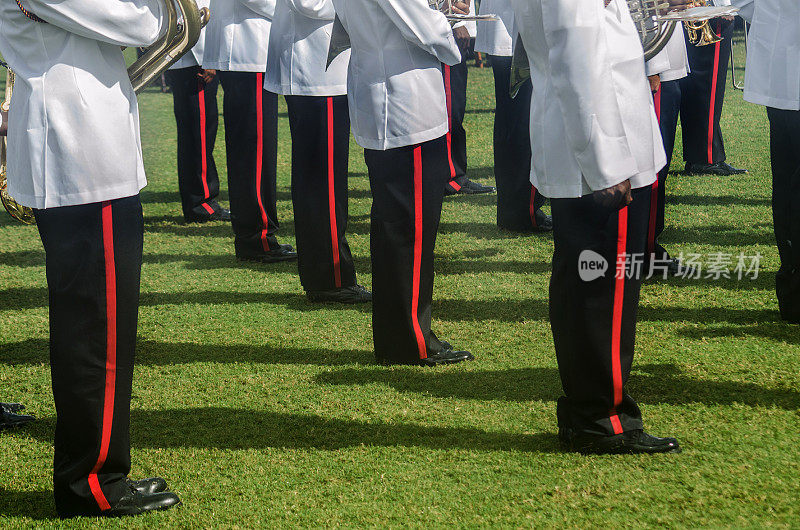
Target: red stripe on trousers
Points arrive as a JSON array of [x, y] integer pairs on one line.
[[449, 94], [201, 99], [337, 271], [616, 322], [260, 157], [713, 104], [651, 228], [423, 350], [532, 206], [111, 355]]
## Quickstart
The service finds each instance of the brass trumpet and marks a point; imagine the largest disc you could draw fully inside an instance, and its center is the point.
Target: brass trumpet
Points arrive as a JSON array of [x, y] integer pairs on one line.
[[700, 33], [184, 23]]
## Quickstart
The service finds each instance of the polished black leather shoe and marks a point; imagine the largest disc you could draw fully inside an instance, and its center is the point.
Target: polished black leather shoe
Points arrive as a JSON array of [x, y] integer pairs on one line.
[[343, 295], [222, 214], [12, 420], [720, 168], [631, 442], [446, 356], [468, 187], [136, 503], [148, 486], [544, 222], [282, 253], [13, 407]]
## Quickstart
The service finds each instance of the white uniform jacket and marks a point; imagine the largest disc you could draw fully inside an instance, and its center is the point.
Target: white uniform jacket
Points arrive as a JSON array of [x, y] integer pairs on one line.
[[298, 51], [773, 53], [593, 124], [671, 63], [195, 56], [74, 122], [394, 82], [238, 35], [496, 38]]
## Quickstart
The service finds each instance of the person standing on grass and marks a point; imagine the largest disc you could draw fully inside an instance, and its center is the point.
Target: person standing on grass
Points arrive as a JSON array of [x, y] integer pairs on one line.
[[596, 152], [519, 204], [75, 158], [194, 96], [316, 97], [398, 113], [236, 47], [773, 80]]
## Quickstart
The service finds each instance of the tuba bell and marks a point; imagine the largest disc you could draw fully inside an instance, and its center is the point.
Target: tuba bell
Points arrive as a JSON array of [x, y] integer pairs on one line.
[[184, 23]]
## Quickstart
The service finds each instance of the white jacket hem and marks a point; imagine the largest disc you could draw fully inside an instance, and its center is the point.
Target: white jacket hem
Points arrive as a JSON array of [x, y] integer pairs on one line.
[[289, 90], [76, 199], [228, 67], [384, 144], [775, 103]]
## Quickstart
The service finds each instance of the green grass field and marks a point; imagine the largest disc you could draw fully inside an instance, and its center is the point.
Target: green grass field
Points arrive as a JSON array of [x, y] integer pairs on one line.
[[263, 410]]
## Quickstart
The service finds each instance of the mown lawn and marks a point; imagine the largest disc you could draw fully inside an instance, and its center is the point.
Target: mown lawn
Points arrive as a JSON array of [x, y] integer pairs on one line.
[[263, 410]]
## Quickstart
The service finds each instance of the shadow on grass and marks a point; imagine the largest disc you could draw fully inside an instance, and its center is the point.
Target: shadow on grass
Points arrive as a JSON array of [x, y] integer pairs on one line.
[[36, 505], [449, 310], [154, 353], [650, 384], [718, 200], [240, 429]]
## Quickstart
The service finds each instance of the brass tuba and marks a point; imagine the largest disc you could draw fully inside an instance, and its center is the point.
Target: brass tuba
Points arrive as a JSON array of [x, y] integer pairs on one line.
[[184, 23]]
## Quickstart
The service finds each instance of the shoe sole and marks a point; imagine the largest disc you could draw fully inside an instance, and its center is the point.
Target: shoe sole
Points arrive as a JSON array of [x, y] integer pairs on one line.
[[268, 260], [432, 363]]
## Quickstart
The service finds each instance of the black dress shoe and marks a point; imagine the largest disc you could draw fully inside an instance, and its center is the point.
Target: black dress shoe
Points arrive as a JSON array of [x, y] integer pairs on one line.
[[343, 295], [282, 253], [720, 168], [11, 420], [447, 356], [220, 215], [148, 486], [467, 187], [136, 503], [544, 222], [13, 407], [631, 442]]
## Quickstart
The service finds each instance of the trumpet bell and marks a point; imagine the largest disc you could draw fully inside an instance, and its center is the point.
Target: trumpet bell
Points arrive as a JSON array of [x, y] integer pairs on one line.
[[701, 34]]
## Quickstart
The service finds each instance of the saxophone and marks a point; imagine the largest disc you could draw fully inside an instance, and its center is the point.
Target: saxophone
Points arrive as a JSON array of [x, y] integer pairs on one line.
[[184, 24]]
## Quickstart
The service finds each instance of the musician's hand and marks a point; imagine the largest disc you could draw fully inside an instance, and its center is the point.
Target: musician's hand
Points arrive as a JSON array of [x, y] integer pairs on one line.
[[459, 7], [615, 197], [206, 76], [3, 123], [655, 83], [463, 38]]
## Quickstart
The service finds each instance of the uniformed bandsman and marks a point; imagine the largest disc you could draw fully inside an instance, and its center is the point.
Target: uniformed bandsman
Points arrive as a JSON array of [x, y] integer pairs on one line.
[[596, 152], [665, 71], [320, 124], [236, 47], [194, 94], [702, 98], [773, 80], [455, 86], [75, 158], [398, 114], [519, 204]]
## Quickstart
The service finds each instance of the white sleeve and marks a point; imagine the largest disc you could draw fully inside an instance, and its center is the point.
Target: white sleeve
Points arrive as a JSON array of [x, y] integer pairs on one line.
[[424, 27], [124, 23], [746, 9], [265, 8], [575, 33], [318, 9]]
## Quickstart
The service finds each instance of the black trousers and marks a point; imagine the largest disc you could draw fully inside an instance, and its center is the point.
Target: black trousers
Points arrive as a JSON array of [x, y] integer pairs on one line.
[[517, 199], [407, 192], [251, 139], [703, 94], [320, 153], [668, 106], [455, 87], [197, 117], [594, 319], [785, 148], [94, 259]]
